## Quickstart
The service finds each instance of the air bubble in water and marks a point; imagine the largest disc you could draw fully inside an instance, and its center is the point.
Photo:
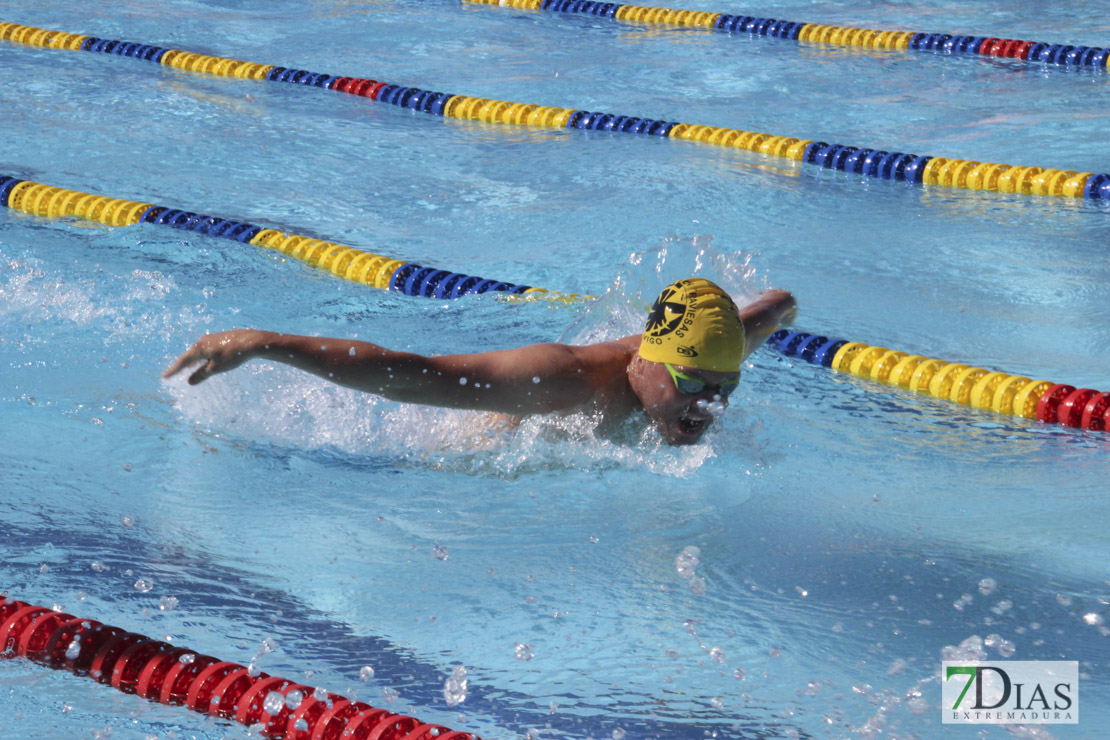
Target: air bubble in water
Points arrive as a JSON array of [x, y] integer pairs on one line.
[[987, 586], [273, 703], [144, 585], [523, 652], [366, 673], [127, 521]]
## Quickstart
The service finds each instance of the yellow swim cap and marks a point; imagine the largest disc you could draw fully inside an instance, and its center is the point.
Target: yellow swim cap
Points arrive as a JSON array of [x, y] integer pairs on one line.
[[694, 323]]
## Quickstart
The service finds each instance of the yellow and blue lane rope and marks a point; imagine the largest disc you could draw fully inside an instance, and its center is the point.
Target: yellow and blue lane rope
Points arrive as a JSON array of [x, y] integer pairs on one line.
[[976, 387], [877, 163], [349, 263], [944, 43], [970, 386]]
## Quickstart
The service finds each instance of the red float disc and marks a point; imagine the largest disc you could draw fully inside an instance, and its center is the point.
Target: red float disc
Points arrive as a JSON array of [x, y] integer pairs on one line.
[[1093, 412], [1070, 411], [33, 640], [250, 703], [226, 695], [1050, 401], [373, 90], [175, 686], [421, 731], [200, 688], [125, 675], [54, 652], [12, 629], [392, 728], [91, 642], [153, 675], [331, 722], [104, 661], [1021, 51]]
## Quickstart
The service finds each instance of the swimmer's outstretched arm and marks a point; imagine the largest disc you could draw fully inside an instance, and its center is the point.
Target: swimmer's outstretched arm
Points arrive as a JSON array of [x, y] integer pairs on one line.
[[773, 310], [536, 379]]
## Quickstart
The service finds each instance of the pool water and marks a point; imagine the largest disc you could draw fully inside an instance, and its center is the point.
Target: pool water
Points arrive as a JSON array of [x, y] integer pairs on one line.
[[849, 534]]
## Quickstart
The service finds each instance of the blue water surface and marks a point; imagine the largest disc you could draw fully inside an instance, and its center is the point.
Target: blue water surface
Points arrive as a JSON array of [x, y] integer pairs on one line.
[[850, 535]]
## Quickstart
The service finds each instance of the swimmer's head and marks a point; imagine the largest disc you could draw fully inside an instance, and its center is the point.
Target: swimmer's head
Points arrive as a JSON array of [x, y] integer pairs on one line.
[[694, 323]]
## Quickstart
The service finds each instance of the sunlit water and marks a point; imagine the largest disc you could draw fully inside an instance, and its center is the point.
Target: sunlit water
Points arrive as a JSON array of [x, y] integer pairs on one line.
[[845, 535]]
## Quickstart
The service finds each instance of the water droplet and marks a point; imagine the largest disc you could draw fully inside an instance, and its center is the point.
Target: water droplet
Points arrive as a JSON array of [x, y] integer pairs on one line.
[[67, 708], [390, 695], [167, 603], [717, 655], [717, 703], [44, 568], [98, 566], [144, 585], [440, 552], [273, 703], [987, 586], [352, 352], [187, 658], [462, 381], [73, 650], [253, 669], [127, 521], [739, 674], [535, 378], [1063, 599], [269, 645], [454, 688], [128, 467], [293, 700], [366, 673], [320, 694], [618, 734], [301, 725], [1092, 618], [593, 539], [523, 652]]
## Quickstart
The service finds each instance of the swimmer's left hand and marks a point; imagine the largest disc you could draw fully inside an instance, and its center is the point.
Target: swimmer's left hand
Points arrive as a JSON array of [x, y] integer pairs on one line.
[[219, 352]]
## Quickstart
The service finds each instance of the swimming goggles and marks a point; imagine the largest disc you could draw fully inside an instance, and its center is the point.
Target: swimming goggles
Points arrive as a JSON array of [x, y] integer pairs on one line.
[[691, 386]]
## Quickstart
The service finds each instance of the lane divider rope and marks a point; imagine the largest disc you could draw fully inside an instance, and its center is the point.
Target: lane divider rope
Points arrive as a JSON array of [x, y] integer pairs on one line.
[[976, 387], [349, 263], [943, 43], [877, 163], [169, 674], [968, 386]]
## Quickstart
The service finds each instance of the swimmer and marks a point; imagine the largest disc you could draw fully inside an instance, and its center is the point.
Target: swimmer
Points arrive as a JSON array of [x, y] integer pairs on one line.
[[679, 372]]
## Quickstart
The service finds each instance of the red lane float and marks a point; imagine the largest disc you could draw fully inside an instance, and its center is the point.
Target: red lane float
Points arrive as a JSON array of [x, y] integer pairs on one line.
[[158, 671]]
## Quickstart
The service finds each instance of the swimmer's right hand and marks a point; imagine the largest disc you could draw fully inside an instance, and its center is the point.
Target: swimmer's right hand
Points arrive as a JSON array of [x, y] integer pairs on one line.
[[220, 352]]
